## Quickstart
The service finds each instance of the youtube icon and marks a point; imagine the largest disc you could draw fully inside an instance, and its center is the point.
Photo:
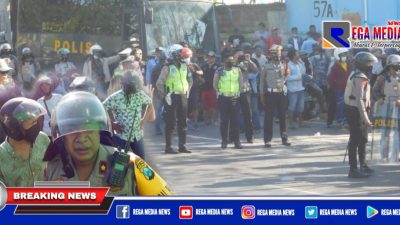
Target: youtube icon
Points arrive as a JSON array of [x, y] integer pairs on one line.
[[185, 212]]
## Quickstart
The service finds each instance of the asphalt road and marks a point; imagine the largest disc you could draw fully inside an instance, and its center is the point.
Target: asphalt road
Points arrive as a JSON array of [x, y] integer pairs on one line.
[[312, 166]]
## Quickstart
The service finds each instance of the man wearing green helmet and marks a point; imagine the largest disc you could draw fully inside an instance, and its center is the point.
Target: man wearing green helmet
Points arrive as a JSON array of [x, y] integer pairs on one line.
[[22, 152]]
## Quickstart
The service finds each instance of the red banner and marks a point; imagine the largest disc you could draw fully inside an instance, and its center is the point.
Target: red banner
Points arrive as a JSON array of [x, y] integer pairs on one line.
[[56, 196]]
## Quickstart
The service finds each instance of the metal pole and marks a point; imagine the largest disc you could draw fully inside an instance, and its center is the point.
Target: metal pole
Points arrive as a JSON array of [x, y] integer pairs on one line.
[[347, 150], [365, 12]]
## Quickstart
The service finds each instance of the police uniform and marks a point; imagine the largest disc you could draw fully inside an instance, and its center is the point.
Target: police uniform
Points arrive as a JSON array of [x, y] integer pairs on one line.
[[228, 84], [245, 101], [176, 82], [357, 103], [139, 180], [272, 86], [387, 87], [387, 91]]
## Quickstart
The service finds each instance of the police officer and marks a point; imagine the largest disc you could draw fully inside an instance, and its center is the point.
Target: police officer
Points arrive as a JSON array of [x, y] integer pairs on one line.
[[386, 91], [357, 104], [273, 95], [247, 66], [173, 86], [228, 82], [387, 83], [6, 53], [64, 69], [78, 123]]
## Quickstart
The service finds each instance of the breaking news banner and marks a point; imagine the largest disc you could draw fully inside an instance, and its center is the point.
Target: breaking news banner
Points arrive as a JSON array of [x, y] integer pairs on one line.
[[76, 201]]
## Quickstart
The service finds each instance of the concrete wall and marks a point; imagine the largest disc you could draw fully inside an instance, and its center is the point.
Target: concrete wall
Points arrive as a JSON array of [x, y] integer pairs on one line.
[[247, 17]]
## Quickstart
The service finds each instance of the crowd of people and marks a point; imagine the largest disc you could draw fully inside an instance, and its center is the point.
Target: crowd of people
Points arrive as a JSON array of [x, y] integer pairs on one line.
[[76, 120]]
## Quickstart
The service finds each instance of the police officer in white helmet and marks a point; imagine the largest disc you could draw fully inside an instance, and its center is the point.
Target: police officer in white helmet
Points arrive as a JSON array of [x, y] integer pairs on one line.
[[357, 105]]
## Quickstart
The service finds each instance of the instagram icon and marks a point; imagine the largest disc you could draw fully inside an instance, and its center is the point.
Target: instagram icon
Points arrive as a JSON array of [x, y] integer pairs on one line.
[[248, 212]]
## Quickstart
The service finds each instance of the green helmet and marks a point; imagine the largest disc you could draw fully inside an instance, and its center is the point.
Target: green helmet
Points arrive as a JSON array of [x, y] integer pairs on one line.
[[79, 111], [16, 111]]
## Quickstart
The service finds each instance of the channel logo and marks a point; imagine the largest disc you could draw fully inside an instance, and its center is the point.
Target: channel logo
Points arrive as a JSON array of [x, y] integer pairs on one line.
[[335, 34], [123, 212], [311, 212], [248, 212], [185, 212], [371, 212]]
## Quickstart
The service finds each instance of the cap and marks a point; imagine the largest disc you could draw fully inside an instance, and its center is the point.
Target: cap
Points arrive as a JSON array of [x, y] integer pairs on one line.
[[126, 51], [159, 49], [130, 59], [274, 28], [211, 53], [4, 66], [44, 80], [276, 47], [303, 53]]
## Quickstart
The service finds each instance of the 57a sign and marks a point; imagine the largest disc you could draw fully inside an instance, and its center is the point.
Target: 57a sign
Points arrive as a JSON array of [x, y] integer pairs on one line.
[[323, 9]]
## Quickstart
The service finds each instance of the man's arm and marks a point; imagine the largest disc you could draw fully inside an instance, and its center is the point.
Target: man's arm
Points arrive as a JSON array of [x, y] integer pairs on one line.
[[160, 85], [377, 90], [240, 80], [112, 59], [263, 77], [216, 80], [360, 84]]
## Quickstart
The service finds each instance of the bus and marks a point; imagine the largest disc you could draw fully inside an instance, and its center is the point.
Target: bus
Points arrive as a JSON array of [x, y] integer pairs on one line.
[[47, 25]]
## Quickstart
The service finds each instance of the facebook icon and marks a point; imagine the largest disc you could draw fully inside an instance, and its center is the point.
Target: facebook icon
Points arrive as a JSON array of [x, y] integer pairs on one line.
[[123, 212]]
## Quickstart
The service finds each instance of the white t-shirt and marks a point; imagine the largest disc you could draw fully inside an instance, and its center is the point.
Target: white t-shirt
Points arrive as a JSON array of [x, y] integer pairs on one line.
[[262, 60], [294, 79], [51, 103]]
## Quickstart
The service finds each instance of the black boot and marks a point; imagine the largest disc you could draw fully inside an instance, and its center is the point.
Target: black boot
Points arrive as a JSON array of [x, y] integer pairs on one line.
[[355, 173], [168, 148], [224, 144], [182, 142], [285, 140], [238, 145], [365, 169]]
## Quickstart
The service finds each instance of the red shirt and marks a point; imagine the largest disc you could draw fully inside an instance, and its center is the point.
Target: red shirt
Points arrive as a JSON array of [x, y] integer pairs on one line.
[[273, 40], [337, 78]]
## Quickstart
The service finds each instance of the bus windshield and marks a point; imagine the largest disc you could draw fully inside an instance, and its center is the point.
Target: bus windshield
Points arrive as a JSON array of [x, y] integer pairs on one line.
[[88, 17]]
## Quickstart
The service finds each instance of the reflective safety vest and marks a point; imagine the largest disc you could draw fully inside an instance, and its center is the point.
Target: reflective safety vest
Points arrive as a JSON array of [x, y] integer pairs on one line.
[[229, 82], [177, 79]]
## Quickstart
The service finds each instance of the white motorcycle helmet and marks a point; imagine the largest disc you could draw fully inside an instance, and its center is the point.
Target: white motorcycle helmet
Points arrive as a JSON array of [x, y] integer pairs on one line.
[[339, 51]]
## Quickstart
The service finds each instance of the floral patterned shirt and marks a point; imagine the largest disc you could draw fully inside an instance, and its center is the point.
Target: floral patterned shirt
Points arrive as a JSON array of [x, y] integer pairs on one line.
[[128, 111], [18, 172]]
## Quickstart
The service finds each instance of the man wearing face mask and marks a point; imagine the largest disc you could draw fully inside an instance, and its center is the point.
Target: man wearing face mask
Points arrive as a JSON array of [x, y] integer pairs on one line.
[[337, 79], [10, 59], [28, 70], [386, 93], [125, 108], [22, 152], [173, 86], [48, 101], [357, 105], [64, 68], [228, 82], [97, 69], [194, 95], [248, 68], [273, 95]]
